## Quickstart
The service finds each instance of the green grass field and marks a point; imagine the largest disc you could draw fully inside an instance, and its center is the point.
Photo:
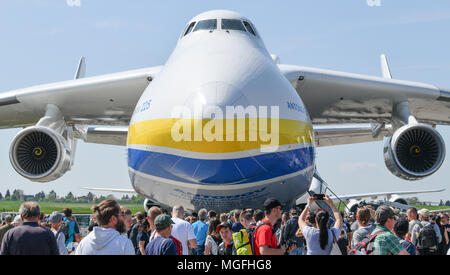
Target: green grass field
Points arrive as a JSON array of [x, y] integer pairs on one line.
[[431, 207], [85, 208], [49, 207]]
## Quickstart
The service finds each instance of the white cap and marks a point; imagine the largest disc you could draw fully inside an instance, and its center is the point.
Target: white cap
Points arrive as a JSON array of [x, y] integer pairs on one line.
[[424, 213]]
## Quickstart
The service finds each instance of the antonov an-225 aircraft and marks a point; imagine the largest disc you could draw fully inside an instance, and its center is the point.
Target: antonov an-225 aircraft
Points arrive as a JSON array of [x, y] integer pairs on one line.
[[223, 124]]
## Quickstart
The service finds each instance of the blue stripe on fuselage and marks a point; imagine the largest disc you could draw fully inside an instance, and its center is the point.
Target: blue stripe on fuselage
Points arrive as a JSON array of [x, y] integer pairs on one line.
[[226, 171]]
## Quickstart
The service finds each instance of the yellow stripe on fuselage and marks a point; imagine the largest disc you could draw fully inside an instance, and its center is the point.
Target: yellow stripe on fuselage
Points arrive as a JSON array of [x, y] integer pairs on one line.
[[159, 132]]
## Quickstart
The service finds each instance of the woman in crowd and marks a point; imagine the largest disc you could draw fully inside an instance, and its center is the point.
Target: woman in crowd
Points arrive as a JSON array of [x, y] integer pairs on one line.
[[213, 238], [143, 236], [319, 239]]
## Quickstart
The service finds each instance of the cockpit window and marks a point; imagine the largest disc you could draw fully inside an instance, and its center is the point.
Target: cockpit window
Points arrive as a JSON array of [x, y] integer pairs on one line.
[[232, 24], [210, 24], [249, 28], [189, 29]]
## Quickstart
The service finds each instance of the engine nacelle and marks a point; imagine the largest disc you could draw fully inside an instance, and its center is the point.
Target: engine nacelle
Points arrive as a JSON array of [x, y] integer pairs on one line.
[[149, 204], [398, 199], [414, 151], [352, 206], [40, 154]]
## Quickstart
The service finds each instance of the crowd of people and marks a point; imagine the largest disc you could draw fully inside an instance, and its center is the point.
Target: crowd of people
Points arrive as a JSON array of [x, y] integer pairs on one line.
[[114, 230]]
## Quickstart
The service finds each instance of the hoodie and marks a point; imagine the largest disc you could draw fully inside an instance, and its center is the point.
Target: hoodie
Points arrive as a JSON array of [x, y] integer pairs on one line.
[[105, 241]]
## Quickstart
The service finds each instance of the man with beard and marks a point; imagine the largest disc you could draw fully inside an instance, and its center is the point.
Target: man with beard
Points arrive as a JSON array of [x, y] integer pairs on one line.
[[106, 238]]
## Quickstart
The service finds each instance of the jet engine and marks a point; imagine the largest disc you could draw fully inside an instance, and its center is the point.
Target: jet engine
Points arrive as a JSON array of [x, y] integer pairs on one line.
[[398, 199], [40, 154], [414, 151]]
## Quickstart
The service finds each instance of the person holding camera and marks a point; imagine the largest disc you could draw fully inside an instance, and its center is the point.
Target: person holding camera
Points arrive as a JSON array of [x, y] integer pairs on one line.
[[319, 239]]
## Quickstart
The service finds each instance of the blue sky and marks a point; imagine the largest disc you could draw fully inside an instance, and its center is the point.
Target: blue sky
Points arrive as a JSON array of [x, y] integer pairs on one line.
[[42, 40]]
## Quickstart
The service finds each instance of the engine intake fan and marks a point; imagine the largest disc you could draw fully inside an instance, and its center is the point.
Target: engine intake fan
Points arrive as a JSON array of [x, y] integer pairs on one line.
[[40, 154], [414, 151]]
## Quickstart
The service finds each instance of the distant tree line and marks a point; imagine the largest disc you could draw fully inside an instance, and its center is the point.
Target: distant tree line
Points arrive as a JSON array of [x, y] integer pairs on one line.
[[18, 195], [415, 200]]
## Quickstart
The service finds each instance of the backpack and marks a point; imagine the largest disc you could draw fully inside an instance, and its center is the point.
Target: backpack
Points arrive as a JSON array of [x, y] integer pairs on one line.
[[57, 235], [365, 246], [241, 242], [64, 229], [218, 241], [251, 237], [252, 232], [178, 244], [427, 236]]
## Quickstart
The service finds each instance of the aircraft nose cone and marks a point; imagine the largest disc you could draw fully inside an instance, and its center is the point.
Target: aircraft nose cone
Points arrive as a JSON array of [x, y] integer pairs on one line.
[[216, 94]]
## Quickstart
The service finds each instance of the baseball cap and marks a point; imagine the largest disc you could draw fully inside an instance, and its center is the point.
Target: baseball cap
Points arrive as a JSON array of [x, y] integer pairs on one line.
[[271, 203], [424, 212], [224, 224], [163, 221], [383, 213], [55, 217], [231, 214]]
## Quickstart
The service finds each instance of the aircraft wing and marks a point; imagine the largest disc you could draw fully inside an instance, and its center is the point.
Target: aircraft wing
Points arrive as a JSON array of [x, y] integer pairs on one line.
[[375, 195], [329, 135], [114, 190], [333, 97], [101, 100], [112, 135]]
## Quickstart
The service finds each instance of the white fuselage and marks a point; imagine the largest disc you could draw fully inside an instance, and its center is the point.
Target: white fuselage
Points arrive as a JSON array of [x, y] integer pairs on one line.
[[186, 144]]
